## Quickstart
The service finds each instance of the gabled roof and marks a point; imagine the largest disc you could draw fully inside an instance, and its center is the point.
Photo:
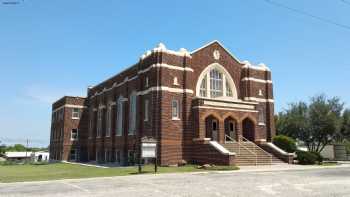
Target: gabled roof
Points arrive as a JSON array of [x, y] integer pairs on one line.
[[216, 41]]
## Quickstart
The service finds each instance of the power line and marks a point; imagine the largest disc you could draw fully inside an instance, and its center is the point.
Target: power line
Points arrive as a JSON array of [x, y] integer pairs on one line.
[[325, 20]]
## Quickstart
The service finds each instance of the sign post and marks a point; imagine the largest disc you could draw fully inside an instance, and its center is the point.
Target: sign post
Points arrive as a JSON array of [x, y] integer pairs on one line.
[[149, 150]]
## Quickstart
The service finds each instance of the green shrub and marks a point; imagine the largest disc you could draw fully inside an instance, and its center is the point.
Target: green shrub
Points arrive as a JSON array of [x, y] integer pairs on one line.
[[285, 143], [306, 158], [318, 156], [7, 163]]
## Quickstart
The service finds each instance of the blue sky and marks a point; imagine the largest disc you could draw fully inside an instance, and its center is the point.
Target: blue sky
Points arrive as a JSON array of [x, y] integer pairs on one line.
[[53, 48]]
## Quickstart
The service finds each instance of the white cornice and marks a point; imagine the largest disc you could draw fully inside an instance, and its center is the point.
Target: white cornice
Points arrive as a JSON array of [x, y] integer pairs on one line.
[[256, 80], [69, 106], [262, 100], [164, 88], [127, 79], [223, 108]]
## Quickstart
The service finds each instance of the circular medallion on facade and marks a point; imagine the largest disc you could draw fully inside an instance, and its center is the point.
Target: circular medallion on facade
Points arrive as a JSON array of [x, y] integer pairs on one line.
[[216, 54]]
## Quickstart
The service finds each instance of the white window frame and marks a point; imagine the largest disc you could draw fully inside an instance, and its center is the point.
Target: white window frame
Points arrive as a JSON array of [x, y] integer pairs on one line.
[[132, 114], [120, 112], [99, 123], [109, 120], [146, 112], [76, 114], [205, 84], [91, 124], [173, 108], [118, 157], [146, 82], [71, 135]]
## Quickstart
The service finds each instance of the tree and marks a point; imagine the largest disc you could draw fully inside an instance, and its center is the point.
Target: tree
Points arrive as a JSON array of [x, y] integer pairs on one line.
[[16, 147], [2, 149], [345, 127], [316, 124]]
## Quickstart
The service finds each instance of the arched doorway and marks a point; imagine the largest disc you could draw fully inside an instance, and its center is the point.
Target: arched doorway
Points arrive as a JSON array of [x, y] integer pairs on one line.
[[211, 128], [230, 129], [248, 129]]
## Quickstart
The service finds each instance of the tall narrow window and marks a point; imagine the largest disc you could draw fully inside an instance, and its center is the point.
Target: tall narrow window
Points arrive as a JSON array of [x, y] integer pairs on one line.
[[203, 88], [108, 120], [216, 86], [117, 157], [146, 110], [91, 125], [75, 113], [228, 89], [73, 156], [99, 122], [261, 116], [175, 110], [74, 134], [132, 114], [119, 126]]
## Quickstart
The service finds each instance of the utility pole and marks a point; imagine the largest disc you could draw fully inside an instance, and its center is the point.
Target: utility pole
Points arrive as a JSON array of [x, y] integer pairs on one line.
[[27, 149]]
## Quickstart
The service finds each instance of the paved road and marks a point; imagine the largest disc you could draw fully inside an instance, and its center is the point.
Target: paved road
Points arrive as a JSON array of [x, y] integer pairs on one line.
[[312, 182]]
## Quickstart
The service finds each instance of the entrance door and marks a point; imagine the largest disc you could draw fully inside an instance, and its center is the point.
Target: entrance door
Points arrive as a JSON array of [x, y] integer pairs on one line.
[[230, 129], [248, 129], [214, 130]]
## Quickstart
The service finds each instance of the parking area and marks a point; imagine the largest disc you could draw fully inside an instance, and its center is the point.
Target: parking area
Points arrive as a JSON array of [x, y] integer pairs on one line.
[[268, 181]]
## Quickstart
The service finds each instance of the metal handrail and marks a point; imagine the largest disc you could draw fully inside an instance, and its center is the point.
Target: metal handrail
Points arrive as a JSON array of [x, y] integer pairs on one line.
[[230, 138], [256, 146], [246, 148]]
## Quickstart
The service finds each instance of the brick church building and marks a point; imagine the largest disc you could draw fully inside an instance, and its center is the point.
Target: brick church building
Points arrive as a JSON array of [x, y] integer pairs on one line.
[[204, 106]]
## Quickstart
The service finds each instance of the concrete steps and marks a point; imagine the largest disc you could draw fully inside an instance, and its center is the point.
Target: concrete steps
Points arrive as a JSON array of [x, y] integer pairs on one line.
[[249, 154]]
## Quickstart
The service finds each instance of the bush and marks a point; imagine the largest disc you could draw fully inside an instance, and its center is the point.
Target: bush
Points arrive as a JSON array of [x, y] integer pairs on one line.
[[318, 156], [285, 143], [306, 158]]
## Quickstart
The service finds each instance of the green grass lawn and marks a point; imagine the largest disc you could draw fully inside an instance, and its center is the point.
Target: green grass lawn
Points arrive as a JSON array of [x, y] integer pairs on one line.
[[19, 173]]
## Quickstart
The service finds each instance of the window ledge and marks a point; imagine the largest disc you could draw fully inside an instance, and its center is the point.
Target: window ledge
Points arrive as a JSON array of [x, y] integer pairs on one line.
[[261, 124], [175, 119], [75, 118]]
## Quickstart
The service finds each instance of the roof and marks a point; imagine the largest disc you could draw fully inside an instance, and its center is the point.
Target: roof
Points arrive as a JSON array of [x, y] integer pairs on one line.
[[17, 154]]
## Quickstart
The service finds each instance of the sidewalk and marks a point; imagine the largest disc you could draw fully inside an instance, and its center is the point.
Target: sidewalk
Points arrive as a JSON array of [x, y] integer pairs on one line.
[[285, 167]]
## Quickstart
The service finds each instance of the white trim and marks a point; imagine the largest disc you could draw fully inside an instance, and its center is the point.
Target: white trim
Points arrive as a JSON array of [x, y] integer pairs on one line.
[[227, 99], [221, 108], [226, 75], [232, 105], [259, 99], [162, 49], [256, 80], [69, 106], [165, 88], [220, 148], [261, 66], [77, 137], [126, 79], [271, 145]]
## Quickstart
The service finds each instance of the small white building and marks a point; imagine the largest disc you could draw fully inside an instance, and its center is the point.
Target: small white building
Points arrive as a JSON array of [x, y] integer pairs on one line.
[[17, 156], [40, 156], [32, 156]]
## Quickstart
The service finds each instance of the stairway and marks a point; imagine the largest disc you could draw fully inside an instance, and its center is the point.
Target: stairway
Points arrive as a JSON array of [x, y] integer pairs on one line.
[[248, 153]]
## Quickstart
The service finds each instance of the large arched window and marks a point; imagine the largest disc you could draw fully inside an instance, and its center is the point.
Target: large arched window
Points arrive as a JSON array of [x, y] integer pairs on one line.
[[216, 82]]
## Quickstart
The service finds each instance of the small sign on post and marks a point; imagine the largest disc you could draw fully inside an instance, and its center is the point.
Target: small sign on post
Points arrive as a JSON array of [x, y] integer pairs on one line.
[[149, 150]]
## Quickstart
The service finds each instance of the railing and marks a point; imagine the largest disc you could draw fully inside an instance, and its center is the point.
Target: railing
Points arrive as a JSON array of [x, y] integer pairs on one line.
[[241, 138], [231, 140], [242, 141]]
